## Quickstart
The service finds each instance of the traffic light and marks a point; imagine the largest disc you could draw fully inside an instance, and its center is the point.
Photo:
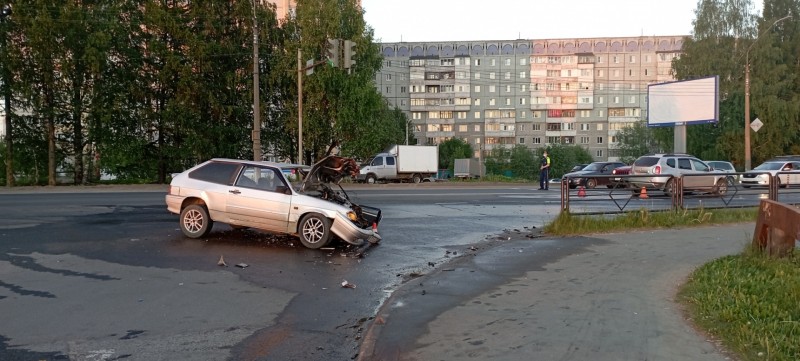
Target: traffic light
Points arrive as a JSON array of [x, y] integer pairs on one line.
[[349, 54], [333, 52]]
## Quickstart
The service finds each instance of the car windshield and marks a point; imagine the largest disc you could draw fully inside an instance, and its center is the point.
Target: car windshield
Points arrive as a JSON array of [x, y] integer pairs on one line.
[[593, 167], [769, 166]]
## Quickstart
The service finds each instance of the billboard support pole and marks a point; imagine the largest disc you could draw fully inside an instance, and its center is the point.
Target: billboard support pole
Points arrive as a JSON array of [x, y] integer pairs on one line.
[[680, 138]]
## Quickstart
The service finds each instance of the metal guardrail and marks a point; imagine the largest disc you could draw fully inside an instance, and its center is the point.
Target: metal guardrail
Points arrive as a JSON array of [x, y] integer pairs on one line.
[[618, 195]]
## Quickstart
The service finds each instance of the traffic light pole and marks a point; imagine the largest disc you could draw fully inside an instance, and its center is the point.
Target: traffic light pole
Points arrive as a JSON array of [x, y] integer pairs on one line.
[[300, 70]]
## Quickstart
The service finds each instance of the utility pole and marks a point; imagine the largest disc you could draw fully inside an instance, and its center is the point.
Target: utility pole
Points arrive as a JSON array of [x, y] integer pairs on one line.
[[256, 98], [299, 107]]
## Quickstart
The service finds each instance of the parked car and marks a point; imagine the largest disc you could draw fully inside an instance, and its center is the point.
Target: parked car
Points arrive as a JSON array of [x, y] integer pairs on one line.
[[760, 176], [727, 167], [621, 182], [251, 194], [578, 167], [587, 176], [658, 170]]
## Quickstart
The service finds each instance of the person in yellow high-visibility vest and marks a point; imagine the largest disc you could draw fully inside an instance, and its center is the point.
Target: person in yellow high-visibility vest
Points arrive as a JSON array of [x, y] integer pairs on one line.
[[544, 173]]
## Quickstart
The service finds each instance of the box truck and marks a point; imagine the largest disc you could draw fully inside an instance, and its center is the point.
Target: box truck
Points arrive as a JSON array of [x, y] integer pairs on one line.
[[400, 163], [467, 168]]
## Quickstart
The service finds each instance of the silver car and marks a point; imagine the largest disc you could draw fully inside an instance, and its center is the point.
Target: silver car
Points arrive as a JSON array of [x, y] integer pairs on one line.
[[659, 170], [726, 167], [251, 194]]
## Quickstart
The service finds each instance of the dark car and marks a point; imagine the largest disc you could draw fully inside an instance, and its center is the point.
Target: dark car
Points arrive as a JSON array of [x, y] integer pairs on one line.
[[593, 175]]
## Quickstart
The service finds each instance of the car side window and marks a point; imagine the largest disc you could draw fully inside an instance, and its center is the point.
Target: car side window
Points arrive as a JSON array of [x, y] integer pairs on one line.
[[377, 161], [216, 172], [699, 166], [684, 163], [671, 162], [389, 160], [263, 178]]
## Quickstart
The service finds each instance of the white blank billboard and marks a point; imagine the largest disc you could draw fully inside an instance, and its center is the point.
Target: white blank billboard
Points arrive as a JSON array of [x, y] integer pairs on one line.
[[683, 102]]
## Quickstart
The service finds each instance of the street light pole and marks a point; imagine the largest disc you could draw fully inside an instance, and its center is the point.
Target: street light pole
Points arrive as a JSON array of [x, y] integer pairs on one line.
[[747, 158]]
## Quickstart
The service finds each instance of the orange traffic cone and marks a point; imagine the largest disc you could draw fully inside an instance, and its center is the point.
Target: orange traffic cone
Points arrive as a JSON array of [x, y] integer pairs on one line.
[[643, 193], [581, 192]]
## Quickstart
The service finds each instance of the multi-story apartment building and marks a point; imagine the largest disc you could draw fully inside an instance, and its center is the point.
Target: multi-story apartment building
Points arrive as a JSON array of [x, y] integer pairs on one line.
[[530, 92]]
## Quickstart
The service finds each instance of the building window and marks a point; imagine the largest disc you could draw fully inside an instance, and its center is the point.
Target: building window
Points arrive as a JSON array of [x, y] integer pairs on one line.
[[521, 61], [522, 75], [508, 62], [523, 114], [477, 62], [388, 90], [584, 126], [600, 100], [491, 75], [523, 87], [536, 140], [403, 90], [478, 140], [461, 115], [616, 59], [632, 99], [632, 59], [477, 101], [599, 126], [477, 89], [521, 101], [600, 73], [599, 153], [584, 140], [616, 100], [536, 126], [508, 101], [507, 75], [600, 113], [537, 114], [462, 128], [508, 88], [493, 62], [492, 89], [388, 77], [477, 75], [477, 115], [599, 140], [477, 128], [521, 140]]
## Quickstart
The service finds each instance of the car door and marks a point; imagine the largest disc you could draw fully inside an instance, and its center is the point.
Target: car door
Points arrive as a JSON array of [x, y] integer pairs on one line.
[[256, 199], [702, 180]]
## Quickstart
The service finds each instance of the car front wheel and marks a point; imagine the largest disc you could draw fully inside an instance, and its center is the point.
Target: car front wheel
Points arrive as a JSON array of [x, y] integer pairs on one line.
[[371, 179], [315, 231], [591, 183], [195, 222]]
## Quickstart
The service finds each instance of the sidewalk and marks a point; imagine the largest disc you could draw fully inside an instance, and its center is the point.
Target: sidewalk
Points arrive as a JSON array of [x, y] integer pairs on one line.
[[600, 297]]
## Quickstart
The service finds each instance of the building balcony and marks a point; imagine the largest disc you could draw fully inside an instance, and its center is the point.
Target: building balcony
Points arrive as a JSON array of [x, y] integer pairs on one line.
[[440, 134], [560, 133], [500, 133]]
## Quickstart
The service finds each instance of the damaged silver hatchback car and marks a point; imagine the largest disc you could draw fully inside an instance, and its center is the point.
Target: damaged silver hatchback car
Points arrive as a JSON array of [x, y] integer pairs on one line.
[[261, 195]]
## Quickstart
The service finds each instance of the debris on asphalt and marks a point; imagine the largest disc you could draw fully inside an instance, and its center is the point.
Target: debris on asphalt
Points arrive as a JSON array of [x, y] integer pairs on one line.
[[221, 262], [346, 284], [242, 265]]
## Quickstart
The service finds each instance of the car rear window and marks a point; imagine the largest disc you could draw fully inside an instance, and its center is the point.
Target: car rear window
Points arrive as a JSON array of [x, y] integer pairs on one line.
[[645, 162], [216, 172]]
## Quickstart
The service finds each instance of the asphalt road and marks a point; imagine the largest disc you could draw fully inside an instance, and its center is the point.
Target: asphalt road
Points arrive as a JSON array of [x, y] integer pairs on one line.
[[104, 273]]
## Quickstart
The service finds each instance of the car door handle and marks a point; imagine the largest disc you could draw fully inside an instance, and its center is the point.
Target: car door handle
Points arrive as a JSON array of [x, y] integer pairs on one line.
[[234, 191]]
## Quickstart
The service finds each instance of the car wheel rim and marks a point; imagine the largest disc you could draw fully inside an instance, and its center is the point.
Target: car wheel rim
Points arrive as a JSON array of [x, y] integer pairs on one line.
[[313, 230], [193, 221]]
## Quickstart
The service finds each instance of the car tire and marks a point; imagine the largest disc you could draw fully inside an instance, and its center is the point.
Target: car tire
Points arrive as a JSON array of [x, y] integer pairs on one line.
[[314, 231], [195, 221], [416, 178], [721, 188], [669, 188], [731, 181], [371, 179], [591, 183]]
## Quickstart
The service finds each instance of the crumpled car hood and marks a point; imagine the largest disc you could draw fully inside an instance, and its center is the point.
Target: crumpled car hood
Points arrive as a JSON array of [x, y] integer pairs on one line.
[[331, 169]]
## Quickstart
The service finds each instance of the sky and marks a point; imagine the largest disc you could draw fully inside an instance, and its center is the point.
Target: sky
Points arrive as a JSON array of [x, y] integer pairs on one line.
[[463, 20]]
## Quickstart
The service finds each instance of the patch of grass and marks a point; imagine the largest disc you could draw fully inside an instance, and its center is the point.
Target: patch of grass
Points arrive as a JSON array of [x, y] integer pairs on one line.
[[750, 302], [569, 224]]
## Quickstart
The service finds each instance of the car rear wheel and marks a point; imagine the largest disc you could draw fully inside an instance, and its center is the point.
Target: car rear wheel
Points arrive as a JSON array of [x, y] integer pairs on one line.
[[195, 222], [722, 187], [591, 183], [669, 188], [371, 179], [416, 178], [315, 231]]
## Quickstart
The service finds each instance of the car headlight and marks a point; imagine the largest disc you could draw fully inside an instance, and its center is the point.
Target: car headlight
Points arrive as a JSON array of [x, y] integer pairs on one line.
[[352, 216]]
